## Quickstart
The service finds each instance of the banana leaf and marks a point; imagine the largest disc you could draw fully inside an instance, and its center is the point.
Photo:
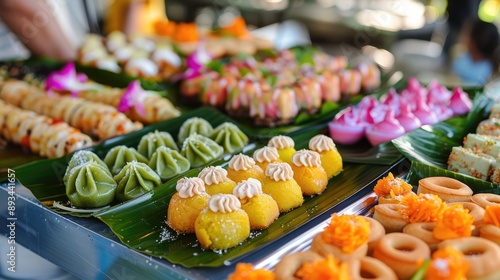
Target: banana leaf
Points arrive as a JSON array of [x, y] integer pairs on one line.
[[44, 177], [140, 224]]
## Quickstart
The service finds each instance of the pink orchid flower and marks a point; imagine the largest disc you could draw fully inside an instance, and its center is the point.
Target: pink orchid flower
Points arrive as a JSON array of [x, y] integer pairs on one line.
[[133, 97], [67, 79]]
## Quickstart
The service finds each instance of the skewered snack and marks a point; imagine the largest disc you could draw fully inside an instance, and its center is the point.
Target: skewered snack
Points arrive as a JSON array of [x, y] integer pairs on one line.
[[40, 134], [92, 118]]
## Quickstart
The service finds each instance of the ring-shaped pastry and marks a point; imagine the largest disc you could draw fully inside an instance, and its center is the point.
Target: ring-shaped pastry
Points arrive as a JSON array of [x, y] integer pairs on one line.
[[377, 230], [448, 189], [475, 211], [368, 268], [485, 199], [289, 264], [424, 232], [325, 249], [390, 217], [490, 232]]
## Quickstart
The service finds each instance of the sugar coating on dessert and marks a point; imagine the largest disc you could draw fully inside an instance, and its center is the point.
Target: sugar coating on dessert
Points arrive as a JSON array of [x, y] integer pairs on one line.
[[281, 142], [241, 162], [321, 143], [279, 171], [248, 188], [224, 203], [306, 158], [189, 187], [266, 154], [213, 175]]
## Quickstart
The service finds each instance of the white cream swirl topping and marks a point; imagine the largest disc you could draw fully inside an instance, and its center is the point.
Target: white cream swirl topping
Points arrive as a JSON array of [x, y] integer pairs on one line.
[[224, 203], [213, 175], [306, 158], [241, 162], [266, 154], [248, 188], [281, 142], [279, 171], [321, 143], [189, 187]]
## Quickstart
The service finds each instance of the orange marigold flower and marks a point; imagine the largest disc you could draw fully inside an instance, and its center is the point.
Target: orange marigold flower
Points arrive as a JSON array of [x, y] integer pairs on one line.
[[246, 271], [390, 187], [328, 268], [492, 215], [455, 222], [447, 264], [422, 208], [346, 232], [186, 32]]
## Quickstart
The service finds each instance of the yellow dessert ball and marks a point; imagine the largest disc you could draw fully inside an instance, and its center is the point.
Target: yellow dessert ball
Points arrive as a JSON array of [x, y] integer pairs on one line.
[[332, 162], [182, 212], [222, 187], [262, 210], [312, 180], [219, 231], [287, 194], [237, 176]]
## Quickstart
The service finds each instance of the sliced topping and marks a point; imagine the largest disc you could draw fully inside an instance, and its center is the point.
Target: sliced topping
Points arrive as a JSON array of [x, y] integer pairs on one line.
[[321, 143], [281, 142], [213, 175], [306, 158], [390, 187], [347, 232], [447, 263], [241, 162], [266, 154], [248, 188], [327, 268], [224, 203], [281, 171], [245, 271], [422, 208], [455, 222], [492, 215], [189, 187]]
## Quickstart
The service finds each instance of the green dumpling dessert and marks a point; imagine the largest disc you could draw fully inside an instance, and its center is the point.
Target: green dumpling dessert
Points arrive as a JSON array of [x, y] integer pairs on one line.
[[81, 157], [151, 141], [135, 179], [229, 136], [167, 163], [194, 125], [89, 185], [119, 156], [200, 150]]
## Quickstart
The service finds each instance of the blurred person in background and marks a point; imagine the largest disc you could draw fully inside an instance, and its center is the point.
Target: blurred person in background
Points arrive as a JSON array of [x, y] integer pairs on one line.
[[459, 12]]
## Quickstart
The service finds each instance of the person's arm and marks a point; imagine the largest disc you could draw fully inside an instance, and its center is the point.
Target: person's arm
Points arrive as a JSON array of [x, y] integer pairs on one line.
[[36, 27]]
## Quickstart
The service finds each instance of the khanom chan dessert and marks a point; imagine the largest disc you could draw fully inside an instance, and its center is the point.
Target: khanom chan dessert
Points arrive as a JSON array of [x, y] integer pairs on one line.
[[308, 172], [347, 127], [465, 161], [280, 184], [424, 232], [482, 256], [216, 180], [186, 204], [229, 136], [200, 150], [448, 189], [153, 140], [119, 156], [261, 208], [402, 252], [491, 227], [454, 222], [89, 185], [486, 199], [346, 238], [223, 224], [168, 163], [447, 263], [331, 160], [135, 179], [285, 146], [194, 125], [391, 190], [241, 167], [265, 155], [246, 271]]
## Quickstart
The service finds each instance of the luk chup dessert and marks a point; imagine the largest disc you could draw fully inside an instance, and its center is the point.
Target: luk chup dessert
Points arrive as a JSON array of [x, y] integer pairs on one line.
[[216, 180], [241, 167], [280, 184], [168, 163], [223, 224], [119, 156], [89, 185], [331, 160], [265, 155], [200, 150], [261, 208], [229, 136], [308, 172], [186, 204], [135, 179], [153, 140], [285, 146], [194, 125]]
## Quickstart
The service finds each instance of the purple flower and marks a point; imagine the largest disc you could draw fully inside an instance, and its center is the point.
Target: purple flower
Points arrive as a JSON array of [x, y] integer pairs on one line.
[[196, 61], [133, 97], [67, 79]]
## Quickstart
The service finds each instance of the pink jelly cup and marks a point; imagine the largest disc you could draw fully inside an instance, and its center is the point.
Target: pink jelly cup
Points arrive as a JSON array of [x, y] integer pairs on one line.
[[346, 134], [385, 131]]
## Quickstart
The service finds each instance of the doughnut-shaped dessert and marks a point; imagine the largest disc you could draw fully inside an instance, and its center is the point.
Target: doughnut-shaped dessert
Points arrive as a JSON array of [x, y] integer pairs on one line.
[[390, 189], [402, 252], [491, 227], [377, 230], [490, 232], [390, 217], [423, 231], [448, 189], [289, 264], [368, 268], [475, 211], [482, 255], [485, 199]]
